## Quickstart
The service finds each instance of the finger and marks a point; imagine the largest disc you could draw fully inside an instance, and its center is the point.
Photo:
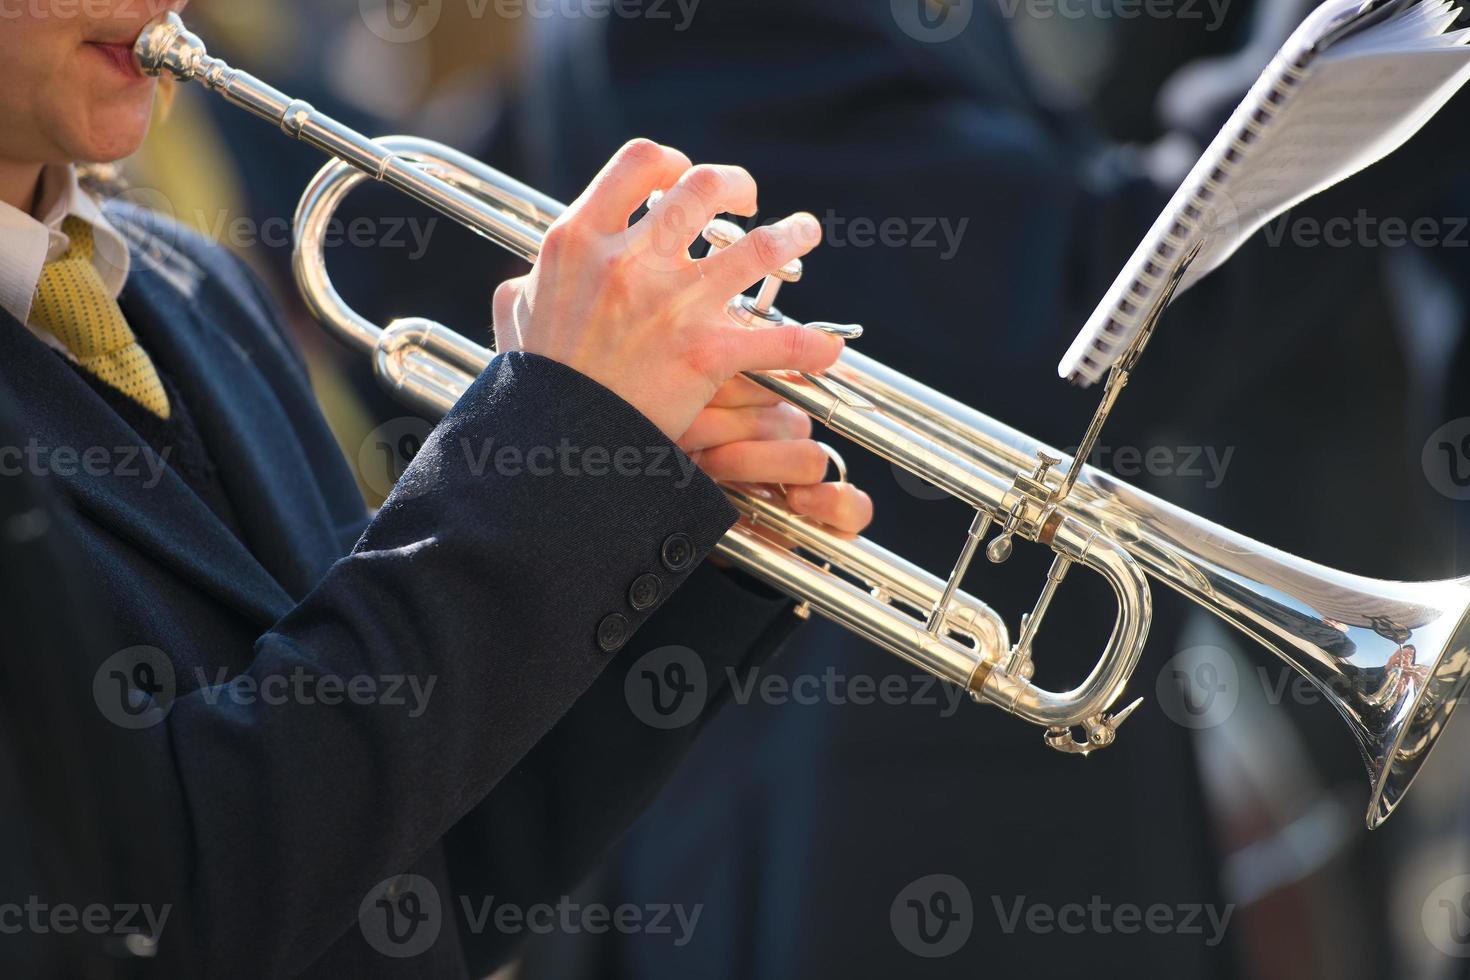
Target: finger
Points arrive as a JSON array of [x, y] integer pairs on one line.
[[719, 426], [634, 172], [742, 392], [699, 194], [785, 348], [840, 505], [797, 461], [735, 269]]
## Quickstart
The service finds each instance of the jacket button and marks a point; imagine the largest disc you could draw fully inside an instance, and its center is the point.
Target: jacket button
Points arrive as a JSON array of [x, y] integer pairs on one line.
[[613, 632], [678, 552], [645, 591]]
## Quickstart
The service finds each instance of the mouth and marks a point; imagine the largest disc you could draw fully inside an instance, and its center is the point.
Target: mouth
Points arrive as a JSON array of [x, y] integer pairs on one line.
[[119, 57]]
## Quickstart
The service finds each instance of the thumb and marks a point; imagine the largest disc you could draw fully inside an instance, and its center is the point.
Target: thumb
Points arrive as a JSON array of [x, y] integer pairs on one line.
[[507, 294], [507, 297]]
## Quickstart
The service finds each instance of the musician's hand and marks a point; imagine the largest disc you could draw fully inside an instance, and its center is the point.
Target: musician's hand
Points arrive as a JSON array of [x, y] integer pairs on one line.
[[749, 435], [629, 308]]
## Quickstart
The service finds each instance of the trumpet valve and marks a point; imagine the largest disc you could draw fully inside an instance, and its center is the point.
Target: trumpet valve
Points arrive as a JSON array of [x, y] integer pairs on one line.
[[720, 233], [764, 305], [760, 311]]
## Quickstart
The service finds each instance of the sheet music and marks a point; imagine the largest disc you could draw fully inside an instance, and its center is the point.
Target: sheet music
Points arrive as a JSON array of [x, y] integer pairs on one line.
[[1310, 121]]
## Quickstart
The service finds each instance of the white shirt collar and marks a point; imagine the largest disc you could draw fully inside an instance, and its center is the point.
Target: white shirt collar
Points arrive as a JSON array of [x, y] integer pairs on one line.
[[27, 244]]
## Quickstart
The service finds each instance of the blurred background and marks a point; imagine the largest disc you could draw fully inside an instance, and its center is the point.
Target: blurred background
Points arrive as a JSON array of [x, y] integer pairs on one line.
[[981, 168]]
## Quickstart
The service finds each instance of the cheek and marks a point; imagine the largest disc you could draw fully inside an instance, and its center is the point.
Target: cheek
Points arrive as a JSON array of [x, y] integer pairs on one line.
[[112, 127], [28, 90], [87, 117], [33, 50]]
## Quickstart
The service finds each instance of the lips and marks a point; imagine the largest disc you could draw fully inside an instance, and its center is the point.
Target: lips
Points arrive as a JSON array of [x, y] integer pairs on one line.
[[119, 56]]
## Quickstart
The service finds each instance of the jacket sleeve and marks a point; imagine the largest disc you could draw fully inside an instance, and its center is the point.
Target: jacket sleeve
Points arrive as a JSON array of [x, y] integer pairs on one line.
[[549, 822], [494, 586]]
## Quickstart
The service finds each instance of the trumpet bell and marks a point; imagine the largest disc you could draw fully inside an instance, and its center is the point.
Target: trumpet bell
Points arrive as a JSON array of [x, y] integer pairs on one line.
[[1399, 721], [1392, 657]]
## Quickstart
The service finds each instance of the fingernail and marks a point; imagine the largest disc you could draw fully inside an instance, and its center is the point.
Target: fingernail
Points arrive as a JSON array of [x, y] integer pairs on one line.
[[798, 497]]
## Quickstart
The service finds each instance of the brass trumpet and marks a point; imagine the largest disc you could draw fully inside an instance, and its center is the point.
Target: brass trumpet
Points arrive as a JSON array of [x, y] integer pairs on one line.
[[1392, 657]]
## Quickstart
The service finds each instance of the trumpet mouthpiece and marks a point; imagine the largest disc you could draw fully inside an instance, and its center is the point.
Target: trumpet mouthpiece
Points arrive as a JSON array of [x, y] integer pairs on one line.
[[167, 47]]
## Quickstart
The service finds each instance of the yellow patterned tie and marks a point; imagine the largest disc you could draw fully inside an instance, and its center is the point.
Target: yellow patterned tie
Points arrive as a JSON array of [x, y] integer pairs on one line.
[[72, 303]]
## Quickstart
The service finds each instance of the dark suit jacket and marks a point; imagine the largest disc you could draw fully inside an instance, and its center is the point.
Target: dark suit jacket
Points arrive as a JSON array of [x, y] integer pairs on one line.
[[290, 809], [62, 763]]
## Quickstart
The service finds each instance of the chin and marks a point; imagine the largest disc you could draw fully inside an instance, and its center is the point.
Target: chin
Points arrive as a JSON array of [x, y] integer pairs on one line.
[[112, 147], [113, 134]]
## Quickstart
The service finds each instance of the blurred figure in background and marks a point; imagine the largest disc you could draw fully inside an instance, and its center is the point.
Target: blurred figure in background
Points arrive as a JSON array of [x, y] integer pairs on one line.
[[800, 855]]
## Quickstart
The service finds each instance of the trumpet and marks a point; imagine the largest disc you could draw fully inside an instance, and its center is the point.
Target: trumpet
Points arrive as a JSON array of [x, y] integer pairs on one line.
[[1392, 657]]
